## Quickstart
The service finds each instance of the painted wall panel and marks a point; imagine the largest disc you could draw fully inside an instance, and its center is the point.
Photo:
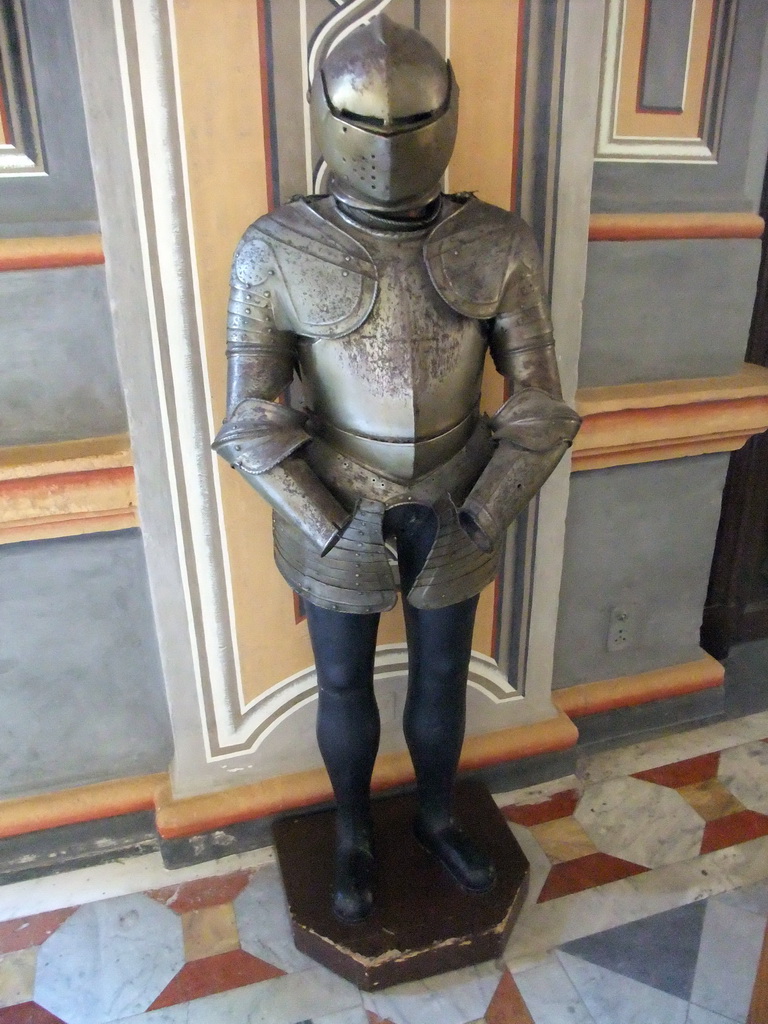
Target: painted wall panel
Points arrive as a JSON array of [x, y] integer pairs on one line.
[[730, 182], [80, 681], [60, 378], [663, 310], [62, 201], [641, 537]]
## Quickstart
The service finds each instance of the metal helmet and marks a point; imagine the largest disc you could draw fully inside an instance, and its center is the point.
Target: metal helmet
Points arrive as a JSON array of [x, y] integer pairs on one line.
[[384, 111]]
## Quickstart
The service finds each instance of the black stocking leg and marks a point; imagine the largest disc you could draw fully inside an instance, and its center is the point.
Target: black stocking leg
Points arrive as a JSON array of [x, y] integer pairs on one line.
[[348, 736], [439, 648]]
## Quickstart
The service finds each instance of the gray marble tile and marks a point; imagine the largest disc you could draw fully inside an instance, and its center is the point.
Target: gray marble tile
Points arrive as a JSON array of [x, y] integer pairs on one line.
[[453, 998], [661, 950], [109, 960], [613, 999], [285, 1000], [731, 942], [550, 996], [262, 921], [640, 822]]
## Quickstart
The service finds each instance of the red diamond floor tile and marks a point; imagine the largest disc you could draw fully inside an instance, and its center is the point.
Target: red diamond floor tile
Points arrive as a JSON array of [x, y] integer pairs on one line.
[[683, 773], [561, 805], [214, 974], [24, 932], [205, 892], [507, 1005], [27, 1013], [586, 873], [374, 1018], [733, 829]]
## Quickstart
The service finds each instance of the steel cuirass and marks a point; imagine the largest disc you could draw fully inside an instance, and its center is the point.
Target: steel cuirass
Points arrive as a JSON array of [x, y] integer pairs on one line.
[[388, 331]]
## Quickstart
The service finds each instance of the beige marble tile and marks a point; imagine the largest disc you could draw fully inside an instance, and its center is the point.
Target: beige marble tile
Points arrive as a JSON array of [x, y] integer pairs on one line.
[[563, 839], [209, 931], [17, 976], [710, 799]]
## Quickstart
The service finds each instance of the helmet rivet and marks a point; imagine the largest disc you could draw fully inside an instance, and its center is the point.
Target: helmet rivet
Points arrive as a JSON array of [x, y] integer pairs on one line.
[[345, 273]]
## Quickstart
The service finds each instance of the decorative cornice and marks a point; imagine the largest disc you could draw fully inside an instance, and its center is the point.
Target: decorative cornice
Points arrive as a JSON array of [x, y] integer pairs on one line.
[[66, 489], [629, 691], [633, 423], [49, 253], [636, 227]]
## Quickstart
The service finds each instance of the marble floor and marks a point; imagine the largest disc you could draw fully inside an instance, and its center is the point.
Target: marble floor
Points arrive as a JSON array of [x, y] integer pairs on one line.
[[648, 905]]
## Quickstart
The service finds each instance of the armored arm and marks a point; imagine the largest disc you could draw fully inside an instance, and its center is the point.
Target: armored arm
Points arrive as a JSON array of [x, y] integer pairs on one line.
[[534, 427], [260, 438]]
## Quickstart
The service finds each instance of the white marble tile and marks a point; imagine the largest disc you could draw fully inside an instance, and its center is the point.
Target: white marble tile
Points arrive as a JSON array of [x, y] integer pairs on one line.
[[698, 1015], [640, 822], [307, 995], [612, 999], [17, 976], [744, 771], [120, 878], [543, 926], [639, 757], [550, 996], [263, 923], [752, 898], [356, 1015], [540, 792], [108, 960], [453, 998], [538, 861], [729, 952]]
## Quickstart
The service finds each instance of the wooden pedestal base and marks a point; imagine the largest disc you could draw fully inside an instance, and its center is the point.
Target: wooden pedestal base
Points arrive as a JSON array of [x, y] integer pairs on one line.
[[422, 922]]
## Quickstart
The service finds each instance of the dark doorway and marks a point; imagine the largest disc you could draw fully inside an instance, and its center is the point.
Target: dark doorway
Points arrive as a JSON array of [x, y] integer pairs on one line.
[[737, 601]]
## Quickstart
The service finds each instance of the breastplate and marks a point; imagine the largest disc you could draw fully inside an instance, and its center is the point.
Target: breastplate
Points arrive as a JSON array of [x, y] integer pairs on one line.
[[400, 393]]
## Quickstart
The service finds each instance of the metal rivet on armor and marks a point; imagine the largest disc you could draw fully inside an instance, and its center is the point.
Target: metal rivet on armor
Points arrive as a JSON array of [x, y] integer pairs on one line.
[[247, 309], [238, 447], [347, 259], [271, 272], [266, 294], [345, 273]]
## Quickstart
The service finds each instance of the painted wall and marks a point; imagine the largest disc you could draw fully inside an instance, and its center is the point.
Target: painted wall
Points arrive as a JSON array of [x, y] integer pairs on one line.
[[81, 688], [662, 309]]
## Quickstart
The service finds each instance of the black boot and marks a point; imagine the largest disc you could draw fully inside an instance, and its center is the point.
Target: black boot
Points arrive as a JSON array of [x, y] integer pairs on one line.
[[467, 865], [353, 882]]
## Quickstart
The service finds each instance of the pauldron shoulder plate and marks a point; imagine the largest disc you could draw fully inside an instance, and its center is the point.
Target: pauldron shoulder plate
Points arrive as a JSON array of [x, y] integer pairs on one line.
[[472, 254], [320, 281]]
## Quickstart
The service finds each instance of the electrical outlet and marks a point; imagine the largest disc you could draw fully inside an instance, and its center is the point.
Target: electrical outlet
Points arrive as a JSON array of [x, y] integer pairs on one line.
[[622, 627]]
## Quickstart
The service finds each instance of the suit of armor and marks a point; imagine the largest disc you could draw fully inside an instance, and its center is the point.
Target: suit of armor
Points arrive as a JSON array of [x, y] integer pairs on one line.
[[385, 307]]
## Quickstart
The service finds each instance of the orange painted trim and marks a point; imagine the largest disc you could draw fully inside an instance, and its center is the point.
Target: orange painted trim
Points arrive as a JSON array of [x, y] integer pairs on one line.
[[177, 818], [630, 691], [73, 806], [637, 227], [50, 253], [661, 420], [66, 489]]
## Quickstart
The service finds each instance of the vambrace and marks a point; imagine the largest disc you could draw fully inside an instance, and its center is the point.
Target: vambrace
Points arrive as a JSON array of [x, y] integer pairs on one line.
[[533, 431], [259, 440]]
